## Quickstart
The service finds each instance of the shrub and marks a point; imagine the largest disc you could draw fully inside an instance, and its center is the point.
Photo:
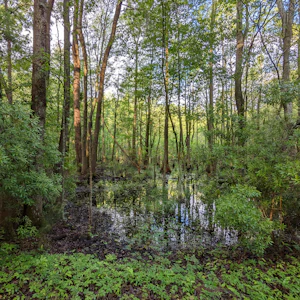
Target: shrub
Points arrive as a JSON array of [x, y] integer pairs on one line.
[[236, 210], [20, 180]]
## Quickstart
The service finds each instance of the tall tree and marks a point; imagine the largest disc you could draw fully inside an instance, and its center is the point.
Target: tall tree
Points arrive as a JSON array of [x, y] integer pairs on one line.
[[239, 99], [40, 60], [76, 85], [40, 66], [165, 69], [9, 54], [67, 78], [135, 106], [181, 145], [287, 18], [210, 108], [85, 90], [101, 85]]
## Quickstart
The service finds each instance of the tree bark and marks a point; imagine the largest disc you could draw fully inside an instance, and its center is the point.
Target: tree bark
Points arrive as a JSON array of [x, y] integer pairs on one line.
[[40, 62], [147, 134], [101, 85], [40, 65], [134, 124], [76, 85], [181, 145], [67, 79], [287, 17], [85, 89], [210, 119], [165, 68], [115, 126], [239, 99], [9, 53], [3, 85]]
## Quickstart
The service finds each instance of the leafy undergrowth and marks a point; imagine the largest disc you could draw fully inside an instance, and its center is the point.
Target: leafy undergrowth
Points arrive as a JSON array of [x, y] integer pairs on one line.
[[33, 275]]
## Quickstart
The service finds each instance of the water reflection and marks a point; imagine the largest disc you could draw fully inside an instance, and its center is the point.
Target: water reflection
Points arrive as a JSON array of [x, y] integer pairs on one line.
[[174, 216]]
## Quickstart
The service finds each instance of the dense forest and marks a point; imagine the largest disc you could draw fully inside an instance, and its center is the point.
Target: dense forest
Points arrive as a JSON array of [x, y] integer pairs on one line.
[[185, 112]]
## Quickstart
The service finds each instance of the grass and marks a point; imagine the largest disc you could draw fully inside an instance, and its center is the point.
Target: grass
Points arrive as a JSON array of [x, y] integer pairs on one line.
[[34, 275]]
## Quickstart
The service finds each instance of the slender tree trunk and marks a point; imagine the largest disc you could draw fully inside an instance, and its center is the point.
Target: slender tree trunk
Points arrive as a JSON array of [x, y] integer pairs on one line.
[[148, 120], [3, 85], [101, 85], [223, 96], [9, 61], [140, 150], [67, 98], [210, 123], [60, 62], [239, 99], [165, 68], [49, 6], [115, 127], [1, 95], [258, 106], [188, 127], [181, 146], [76, 85], [67, 79], [85, 91], [147, 136], [103, 158], [287, 17], [134, 125]]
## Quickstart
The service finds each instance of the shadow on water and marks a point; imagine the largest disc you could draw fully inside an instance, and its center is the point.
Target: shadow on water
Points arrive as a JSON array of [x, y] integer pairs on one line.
[[172, 217]]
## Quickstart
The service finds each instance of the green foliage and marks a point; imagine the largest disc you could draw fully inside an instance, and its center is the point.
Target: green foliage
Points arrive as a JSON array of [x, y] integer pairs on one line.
[[236, 210], [21, 150], [27, 230], [287, 91], [266, 168], [84, 276]]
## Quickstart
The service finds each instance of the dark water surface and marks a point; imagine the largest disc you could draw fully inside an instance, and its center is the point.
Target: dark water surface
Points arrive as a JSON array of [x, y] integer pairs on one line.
[[172, 217]]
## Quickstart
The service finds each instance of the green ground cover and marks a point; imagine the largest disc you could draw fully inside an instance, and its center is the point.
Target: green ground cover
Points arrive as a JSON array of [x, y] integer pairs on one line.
[[32, 275]]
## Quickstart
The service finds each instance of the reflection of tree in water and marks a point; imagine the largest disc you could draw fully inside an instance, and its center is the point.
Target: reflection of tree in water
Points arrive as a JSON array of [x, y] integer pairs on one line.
[[173, 216]]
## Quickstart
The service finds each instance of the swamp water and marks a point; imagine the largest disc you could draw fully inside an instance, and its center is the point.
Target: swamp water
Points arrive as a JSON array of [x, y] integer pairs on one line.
[[171, 217]]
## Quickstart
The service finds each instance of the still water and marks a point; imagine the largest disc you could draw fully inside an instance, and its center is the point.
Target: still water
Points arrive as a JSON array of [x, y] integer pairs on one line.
[[171, 217]]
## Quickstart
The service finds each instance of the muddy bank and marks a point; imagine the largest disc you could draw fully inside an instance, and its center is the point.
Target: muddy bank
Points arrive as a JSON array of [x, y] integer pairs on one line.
[[72, 235]]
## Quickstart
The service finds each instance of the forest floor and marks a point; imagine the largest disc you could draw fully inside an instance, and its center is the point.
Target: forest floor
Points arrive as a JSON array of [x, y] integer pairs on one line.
[[69, 262], [75, 265], [73, 235]]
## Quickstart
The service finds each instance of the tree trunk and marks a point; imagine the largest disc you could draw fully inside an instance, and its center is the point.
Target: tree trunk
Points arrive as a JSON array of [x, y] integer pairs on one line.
[[3, 85], [147, 136], [40, 62], [115, 127], [85, 91], [187, 126], [103, 158], [287, 17], [101, 85], [134, 125], [210, 118], [180, 146], [239, 99], [9, 62], [67, 79], [165, 68], [1, 95], [76, 85], [40, 65]]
